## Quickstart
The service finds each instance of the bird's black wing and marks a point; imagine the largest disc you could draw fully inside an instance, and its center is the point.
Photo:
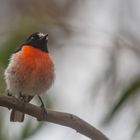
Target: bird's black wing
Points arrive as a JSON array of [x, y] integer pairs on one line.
[[18, 48]]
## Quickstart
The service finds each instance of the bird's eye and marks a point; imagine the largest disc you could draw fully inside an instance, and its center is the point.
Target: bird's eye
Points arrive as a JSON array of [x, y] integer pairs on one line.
[[30, 38]]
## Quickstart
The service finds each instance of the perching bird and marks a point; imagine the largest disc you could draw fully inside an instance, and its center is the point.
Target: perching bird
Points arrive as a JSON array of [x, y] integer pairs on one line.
[[30, 71]]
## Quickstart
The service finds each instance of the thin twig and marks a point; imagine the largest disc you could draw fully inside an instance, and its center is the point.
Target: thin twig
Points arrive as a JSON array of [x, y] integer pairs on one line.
[[61, 118]]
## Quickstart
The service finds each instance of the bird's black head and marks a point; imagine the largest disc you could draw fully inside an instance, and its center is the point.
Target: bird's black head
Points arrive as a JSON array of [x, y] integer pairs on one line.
[[38, 40]]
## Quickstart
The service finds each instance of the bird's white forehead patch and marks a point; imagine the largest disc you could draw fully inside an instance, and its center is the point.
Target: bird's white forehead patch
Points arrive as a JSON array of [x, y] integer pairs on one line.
[[41, 34]]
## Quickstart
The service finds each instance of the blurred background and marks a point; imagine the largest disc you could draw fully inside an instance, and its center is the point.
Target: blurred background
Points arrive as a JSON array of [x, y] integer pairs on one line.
[[95, 46]]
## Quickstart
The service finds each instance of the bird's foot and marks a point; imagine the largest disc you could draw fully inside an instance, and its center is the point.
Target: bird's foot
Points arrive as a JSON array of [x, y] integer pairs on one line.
[[44, 114]]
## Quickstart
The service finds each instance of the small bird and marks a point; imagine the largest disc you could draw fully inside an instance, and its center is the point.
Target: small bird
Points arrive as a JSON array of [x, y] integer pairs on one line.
[[30, 71]]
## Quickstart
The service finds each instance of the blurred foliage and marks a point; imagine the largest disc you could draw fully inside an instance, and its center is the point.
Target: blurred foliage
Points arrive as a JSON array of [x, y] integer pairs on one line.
[[126, 95], [50, 10], [2, 83], [130, 92], [3, 133], [29, 129], [136, 131]]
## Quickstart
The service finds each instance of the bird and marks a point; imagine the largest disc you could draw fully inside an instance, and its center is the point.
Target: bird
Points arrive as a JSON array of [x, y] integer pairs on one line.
[[30, 71]]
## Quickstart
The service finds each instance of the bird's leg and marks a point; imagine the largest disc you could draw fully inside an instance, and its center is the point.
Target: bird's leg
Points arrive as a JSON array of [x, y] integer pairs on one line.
[[8, 93], [22, 97], [43, 107], [42, 104]]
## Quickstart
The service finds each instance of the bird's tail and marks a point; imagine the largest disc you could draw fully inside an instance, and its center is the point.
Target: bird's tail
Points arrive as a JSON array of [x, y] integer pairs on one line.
[[16, 116]]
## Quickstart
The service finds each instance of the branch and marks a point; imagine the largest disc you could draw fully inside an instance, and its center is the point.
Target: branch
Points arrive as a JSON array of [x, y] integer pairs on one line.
[[61, 118]]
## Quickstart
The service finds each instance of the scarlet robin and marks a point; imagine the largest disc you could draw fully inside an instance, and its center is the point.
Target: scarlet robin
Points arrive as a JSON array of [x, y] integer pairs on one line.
[[30, 71]]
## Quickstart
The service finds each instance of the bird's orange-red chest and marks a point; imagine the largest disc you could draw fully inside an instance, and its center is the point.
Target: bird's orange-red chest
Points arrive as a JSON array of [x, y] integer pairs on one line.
[[34, 58], [33, 69], [31, 54]]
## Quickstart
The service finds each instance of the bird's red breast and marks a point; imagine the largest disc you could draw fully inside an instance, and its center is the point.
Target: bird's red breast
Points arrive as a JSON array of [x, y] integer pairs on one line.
[[29, 51], [31, 55], [30, 58], [33, 66]]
